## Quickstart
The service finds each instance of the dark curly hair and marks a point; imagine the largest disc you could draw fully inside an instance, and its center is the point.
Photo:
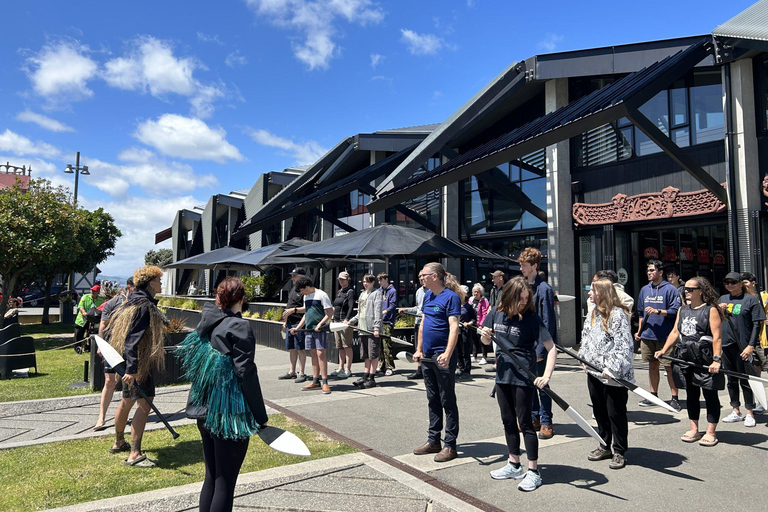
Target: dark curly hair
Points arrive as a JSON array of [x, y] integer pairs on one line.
[[229, 292], [708, 294]]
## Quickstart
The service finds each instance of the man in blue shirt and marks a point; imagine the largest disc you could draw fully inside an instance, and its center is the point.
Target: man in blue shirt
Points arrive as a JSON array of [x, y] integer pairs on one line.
[[388, 311], [544, 305], [437, 341]]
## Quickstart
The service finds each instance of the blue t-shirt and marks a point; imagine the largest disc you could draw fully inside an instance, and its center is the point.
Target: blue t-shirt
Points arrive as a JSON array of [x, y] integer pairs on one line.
[[435, 329]]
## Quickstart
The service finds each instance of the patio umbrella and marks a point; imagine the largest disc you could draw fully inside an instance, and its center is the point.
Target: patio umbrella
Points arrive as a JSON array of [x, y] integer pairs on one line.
[[261, 256], [385, 241], [216, 258]]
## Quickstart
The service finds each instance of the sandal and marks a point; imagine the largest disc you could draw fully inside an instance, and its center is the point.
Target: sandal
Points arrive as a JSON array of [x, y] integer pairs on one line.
[[125, 447], [140, 462], [708, 441], [687, 438]]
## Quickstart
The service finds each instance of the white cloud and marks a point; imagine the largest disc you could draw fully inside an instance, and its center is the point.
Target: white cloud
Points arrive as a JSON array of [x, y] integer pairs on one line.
[[376, 59], [316, 21], [235, 59], [550, 42], [205, 38], [421, 44], [43, 121], [60, 71], [187, 137], [306, 152], [150, 66], [19, 145]]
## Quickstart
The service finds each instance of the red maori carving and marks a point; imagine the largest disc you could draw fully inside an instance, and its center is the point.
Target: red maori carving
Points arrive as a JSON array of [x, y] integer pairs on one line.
[[668, 203]]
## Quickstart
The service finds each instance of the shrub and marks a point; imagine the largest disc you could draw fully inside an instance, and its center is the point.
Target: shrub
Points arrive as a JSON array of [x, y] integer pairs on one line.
[[175, 324], [264, 285], [403, 321], [190, 304], [275, 314]]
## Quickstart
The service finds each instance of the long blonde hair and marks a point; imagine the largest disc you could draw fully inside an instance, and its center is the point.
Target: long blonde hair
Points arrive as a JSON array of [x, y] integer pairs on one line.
[[452, 284], [607, 300]]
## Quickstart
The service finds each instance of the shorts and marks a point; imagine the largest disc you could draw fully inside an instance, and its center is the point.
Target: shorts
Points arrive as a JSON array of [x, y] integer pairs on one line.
[[343, 338], [293, 341], [650, 347], [316, 340], [148, 387], [107, 368], [370, 347]]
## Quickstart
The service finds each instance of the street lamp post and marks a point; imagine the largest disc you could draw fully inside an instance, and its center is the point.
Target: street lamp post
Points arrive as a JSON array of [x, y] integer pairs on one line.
[[77, 170]]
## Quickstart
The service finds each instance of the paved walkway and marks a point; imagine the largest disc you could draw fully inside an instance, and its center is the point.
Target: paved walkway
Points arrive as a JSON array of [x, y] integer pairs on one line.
[[388, 421]]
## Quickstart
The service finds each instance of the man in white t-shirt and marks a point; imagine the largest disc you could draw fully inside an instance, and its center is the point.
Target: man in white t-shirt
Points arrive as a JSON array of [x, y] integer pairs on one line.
[[318, 311]]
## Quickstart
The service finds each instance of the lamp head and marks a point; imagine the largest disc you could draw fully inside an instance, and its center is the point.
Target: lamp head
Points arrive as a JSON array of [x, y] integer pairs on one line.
[[69, 170], [85, 170]]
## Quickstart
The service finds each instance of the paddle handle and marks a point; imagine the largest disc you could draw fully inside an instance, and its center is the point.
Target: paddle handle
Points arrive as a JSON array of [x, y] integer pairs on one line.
[[120, 369], [702, 367]]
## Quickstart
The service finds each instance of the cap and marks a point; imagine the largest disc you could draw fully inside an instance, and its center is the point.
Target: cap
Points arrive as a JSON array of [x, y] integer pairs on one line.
[[96, 288], [298, 271], [732, 275], [344, 275], [498, 273]]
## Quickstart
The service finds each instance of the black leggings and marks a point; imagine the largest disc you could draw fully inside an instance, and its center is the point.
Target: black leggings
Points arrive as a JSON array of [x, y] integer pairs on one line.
[[515, 404], [732, 361], [223, 459], [477, 344], [711, 399]]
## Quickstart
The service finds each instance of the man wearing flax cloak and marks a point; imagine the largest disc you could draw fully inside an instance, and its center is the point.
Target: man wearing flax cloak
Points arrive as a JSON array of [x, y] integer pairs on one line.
[[136, 330]]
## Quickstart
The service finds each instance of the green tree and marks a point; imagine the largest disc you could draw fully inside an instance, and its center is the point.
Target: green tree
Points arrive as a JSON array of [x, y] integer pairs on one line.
[[161, 257]]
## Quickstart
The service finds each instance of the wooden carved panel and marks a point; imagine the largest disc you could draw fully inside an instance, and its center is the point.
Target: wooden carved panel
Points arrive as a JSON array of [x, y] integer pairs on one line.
[[668, 203]]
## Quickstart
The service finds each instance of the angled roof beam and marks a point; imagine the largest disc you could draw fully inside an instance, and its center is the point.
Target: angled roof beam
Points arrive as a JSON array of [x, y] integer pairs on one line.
[[408, 212], [528, 167], [500, 182], [336, 164], [333, 220], [646, 126]]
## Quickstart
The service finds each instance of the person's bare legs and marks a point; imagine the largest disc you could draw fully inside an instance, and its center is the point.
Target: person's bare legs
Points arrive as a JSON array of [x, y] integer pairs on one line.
[[294, 356], [670, 380], [302, 361], [107, 392], [315, 364], [348, 355], [653, 376], [121, 419], [323, 363], [137, 427]]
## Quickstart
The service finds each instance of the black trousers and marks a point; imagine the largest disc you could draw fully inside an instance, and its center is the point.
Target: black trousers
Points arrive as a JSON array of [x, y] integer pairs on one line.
[[732, 361], [515, 405], [478, 345], [464, 348], [692, 393], [441, 396], [609, 403], [223, 459]]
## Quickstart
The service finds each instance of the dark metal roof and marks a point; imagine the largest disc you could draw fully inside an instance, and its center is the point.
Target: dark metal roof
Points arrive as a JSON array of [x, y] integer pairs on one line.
[[421, 129], [603, 106], [751, 23], [323, 195]]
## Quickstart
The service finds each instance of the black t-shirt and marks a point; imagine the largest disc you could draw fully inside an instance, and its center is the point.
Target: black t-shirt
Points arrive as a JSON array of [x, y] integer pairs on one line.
[[694, 323], [295, 300], [742, 313], [467, 313], [519, 337], [343, 304]]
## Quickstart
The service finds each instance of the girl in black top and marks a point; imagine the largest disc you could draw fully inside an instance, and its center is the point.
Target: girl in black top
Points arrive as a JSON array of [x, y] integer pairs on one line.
[[467, 319], [517, 327], [697, 335], [343, 311]]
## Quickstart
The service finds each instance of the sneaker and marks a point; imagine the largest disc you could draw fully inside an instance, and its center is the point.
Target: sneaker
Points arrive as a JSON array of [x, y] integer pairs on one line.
[[759, 409], [507, 472], [311, 386], [473, 359], [370, 383], [336, 372], [415, 375], [675, 404], [531, 481], [458, 373], [734, 417], [465, 376], [618, 461], [645, 403], [490, 369], [359, 382], [599, 454], [389, 372], [301, 378], [343, 374], [287, 375], [749, 420], [326, 389], [482, 361]]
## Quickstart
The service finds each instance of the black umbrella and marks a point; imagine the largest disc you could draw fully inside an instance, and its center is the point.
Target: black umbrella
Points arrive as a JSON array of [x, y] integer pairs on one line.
[[262, 256], [384, 241], [216, 258]]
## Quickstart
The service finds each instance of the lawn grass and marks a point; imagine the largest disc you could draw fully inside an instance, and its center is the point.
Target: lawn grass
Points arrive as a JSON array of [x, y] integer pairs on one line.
[[59, 474], [57, 368]]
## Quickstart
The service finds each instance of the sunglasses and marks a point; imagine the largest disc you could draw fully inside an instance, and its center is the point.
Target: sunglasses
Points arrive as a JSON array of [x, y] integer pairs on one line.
[[727, 283], [690, 289]]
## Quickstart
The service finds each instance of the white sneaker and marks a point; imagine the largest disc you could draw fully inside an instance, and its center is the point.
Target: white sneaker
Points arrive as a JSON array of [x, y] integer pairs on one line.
[[749, 421], [507, 472], [734, 417], [531, 482], [482, 361], [473, 359]]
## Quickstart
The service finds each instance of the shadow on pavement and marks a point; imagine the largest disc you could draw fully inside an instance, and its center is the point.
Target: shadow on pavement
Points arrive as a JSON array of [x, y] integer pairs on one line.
[[578, 477], [659, 460], [742, 438], [483, 450], [654, 418]]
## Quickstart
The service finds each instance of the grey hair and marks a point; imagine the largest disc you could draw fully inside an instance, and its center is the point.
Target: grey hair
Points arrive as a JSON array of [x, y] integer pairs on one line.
[[480, 287]]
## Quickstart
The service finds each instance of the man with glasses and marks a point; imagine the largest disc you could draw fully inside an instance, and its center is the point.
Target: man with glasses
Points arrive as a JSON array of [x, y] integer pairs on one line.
[[657, 308]]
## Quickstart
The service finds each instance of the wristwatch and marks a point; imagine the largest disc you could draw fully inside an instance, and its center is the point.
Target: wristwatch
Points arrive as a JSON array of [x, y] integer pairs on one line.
[[716, 359]]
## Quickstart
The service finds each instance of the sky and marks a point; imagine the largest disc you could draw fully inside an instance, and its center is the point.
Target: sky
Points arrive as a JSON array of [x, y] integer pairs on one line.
[[171, 101]]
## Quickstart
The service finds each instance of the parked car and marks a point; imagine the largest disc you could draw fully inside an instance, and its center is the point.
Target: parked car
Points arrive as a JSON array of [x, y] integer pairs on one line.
[[37, 297]]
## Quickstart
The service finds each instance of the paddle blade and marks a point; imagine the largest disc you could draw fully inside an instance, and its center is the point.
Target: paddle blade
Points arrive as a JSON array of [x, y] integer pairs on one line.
[[109, 354], [585, 426], [404, 356], [561, 297], [653, 398], [283, 441], [759, 391], [338, 326]]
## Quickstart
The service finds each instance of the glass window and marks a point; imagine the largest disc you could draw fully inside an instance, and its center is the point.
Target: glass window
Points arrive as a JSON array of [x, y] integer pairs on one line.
[[537, 191], [678, 100], [707, 107]]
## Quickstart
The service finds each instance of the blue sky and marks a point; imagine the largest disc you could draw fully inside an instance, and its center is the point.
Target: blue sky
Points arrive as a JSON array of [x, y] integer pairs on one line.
[[172, 101]]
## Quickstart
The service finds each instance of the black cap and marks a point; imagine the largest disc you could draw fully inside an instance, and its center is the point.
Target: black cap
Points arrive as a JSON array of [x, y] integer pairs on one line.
[[298, 271], [734, 276]]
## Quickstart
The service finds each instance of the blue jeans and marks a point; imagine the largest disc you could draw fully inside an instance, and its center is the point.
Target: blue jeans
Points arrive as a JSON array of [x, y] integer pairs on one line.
[[542, 404]]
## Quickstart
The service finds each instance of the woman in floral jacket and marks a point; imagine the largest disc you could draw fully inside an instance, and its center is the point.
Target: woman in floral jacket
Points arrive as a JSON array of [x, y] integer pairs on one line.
[[606, 342]]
